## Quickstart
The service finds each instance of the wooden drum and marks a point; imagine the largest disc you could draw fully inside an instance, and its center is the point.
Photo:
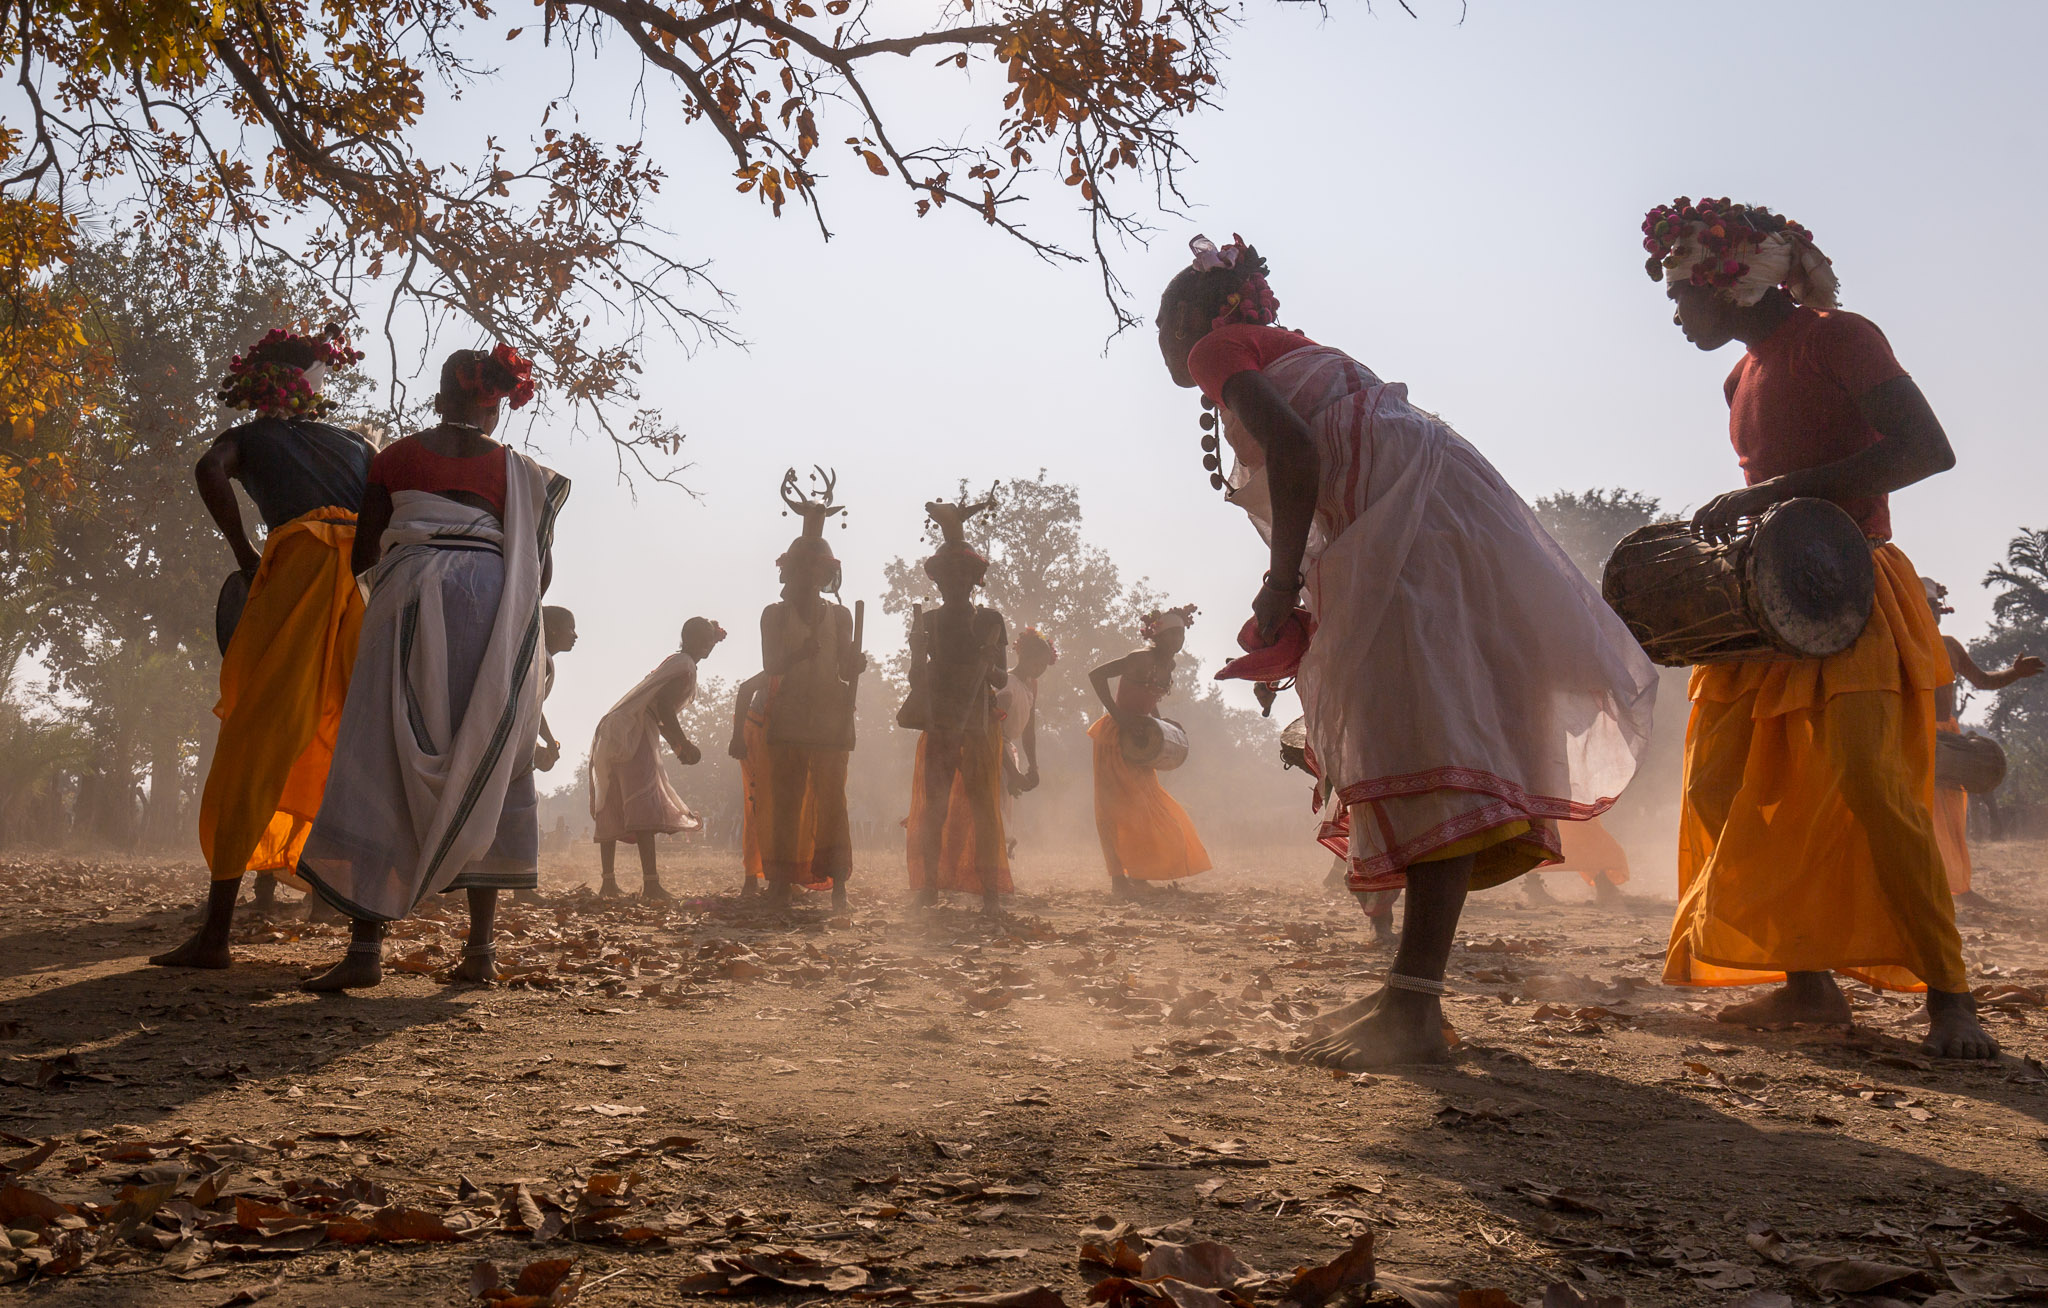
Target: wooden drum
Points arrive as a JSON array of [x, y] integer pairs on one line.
[[1157, 744], [1799, 584], [1294, 746], [1975, 763]]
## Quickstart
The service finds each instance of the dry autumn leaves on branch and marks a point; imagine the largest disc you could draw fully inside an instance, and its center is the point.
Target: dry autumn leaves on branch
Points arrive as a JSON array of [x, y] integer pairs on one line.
[[306, 130]]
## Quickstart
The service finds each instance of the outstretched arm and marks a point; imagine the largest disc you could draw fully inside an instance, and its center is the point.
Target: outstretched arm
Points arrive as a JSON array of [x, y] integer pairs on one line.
[[215, 472], [1294, 475], [2026, 665], [1914, 447]]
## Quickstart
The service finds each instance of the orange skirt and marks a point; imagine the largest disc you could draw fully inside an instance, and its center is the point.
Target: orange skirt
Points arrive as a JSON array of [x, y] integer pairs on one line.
[[1952, 827], [1592, 853], [1145, 834], [1806, 838], [283, 682], [966, 851]]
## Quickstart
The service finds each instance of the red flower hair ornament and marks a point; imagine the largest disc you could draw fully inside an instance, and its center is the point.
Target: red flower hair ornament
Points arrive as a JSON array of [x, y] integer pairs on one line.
[[503, 374], [270, 379]]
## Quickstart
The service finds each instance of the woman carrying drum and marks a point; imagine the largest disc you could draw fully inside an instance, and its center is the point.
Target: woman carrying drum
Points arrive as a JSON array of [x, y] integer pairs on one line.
[[1806, 844], [1146, 836], [1464, 686]]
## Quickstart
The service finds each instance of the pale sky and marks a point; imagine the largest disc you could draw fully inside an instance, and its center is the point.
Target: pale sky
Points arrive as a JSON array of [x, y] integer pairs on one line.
[[1456, 204]]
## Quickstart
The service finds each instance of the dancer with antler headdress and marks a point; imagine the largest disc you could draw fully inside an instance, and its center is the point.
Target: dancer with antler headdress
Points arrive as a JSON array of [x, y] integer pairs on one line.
[[811, 660], [958, 660], [288, 651], [1146, 836], [630, 796]]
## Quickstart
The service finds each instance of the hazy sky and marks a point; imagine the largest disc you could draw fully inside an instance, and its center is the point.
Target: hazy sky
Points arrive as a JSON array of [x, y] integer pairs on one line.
[[1456, 204]]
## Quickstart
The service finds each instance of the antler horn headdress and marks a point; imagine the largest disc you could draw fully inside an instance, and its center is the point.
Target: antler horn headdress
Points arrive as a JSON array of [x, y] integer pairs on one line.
[[814, 507], [954, 552]]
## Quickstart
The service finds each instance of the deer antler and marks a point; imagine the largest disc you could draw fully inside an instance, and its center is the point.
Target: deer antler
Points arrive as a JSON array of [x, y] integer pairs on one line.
[[830, 478], [792, 495]]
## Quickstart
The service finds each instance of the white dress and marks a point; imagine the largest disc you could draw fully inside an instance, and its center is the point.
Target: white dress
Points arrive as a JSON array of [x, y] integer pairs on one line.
[[1464, 675]]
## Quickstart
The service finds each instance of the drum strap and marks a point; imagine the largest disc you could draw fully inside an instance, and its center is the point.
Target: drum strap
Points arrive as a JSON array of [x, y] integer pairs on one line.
[[1420, 985]]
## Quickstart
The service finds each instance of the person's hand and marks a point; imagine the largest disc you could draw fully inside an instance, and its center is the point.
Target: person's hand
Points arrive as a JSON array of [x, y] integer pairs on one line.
[[1270, 608], [1720, 518], [853, 665], [1030, 780], [689, 755], [248, 560], [546, 755], [2026, 665], [737, 747]]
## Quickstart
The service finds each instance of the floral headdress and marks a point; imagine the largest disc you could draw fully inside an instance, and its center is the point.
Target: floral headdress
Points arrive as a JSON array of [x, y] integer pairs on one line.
[[502, 374], [1739, 251], [711, 625], [1159, 620], [271, 378], [1033, 636], [1253, 302]]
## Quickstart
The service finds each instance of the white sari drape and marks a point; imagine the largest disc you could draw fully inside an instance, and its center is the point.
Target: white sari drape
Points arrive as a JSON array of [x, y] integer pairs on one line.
[[630, 794], [1464, 674], [443, 711]]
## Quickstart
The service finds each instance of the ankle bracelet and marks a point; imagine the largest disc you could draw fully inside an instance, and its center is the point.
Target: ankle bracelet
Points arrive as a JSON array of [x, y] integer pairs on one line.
[[480, 951], [366, 948], [1420, 985]]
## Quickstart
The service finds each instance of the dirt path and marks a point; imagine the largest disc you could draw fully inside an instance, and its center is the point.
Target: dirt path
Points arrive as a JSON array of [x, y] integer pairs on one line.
[[941, 1105]]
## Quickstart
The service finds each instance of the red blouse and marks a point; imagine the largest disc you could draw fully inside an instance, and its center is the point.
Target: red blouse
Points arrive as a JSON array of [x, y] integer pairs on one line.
[[409, 465], [1240, 347], [1792, 401]]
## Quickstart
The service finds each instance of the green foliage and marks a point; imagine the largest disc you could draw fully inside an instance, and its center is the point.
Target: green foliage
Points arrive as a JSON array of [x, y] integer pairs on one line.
[[1590, 522], [2019, 713]]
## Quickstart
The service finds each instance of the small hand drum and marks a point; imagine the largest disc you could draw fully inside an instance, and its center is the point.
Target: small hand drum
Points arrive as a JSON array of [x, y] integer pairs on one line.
[[227, 609], [1799, 584], [1157, 744], [1975, 763], [1294, 746]]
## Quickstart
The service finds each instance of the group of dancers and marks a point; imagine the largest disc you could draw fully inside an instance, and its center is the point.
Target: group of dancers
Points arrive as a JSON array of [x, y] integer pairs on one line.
[[1465, 690]]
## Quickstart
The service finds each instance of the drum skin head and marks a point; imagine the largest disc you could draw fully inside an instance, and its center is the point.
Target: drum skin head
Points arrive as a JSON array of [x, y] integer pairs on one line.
[[1812, 582], [227, 610]]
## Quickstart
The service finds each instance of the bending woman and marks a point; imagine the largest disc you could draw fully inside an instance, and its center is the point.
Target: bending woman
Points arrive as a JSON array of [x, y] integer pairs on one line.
[[1465, 687], [1146, 836], [432, 784]]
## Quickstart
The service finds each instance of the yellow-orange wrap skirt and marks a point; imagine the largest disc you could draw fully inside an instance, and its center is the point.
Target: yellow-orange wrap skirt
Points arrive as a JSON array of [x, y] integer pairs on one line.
[[1806, 837], [1145, 834], [1952, 827], [283, 682], [978, 786], [819, 776], [1593, 853]]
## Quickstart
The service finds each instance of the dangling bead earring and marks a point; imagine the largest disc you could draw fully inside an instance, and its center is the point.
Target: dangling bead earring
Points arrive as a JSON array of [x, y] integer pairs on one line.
[[1212, 459]]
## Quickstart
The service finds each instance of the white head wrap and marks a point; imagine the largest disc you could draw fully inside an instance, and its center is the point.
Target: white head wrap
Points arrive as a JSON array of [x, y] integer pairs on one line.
[[1781, 259]]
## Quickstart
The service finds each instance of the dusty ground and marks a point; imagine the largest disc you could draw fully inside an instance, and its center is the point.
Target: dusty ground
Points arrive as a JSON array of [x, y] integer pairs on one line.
[[927, 1106]]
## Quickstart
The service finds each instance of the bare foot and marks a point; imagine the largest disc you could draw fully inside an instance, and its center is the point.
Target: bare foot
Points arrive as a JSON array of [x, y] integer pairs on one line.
[[196, 952], [925, 898], [839, 896], [526, 897], [653, 891], [991, 905], [778, 894], [748, 887], [1535, 893], [1404, 1028], [355, 971], [479, 968], [1971, 899], [1383, 934], [1606, 893], [1806, 997], [1953, 1030], [1325, 1023], [610, 890], [1121, 887]]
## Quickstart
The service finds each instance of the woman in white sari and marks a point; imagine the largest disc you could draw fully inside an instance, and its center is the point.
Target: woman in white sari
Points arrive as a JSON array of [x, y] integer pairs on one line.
[[1465, 688], [432, 784]]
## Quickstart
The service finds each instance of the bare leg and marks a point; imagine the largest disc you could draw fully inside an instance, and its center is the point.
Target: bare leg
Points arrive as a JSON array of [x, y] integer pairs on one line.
[[607, 855], [1805, 997], [838, 894], [208, 946], [264, 901], [480, 954], [319, 910], [360, 968], [1605, 892], [778, 894], [650, 879], [748, 888], [1953, 1030], [1534, 892], [935, 784], [1403, 1026]]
